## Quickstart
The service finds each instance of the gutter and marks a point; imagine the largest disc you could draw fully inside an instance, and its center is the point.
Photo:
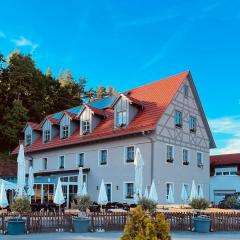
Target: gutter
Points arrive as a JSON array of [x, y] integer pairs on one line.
[[152, 154]]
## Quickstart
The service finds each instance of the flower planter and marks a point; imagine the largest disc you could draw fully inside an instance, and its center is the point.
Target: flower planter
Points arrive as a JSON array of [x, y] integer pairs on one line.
[[201, 224], [80, 224], [16, 226]]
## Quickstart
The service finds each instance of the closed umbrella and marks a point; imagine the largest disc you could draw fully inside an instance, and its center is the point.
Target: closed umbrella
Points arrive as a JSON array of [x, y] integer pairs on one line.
[[30, 191], [58, 196], [153, 193], [80, 182], [102, 197], [193, 194], [146, 193], [3, 197], [139, 163], [170, 195], [184, 194], [84, 189], [200, 194], [21, 172]]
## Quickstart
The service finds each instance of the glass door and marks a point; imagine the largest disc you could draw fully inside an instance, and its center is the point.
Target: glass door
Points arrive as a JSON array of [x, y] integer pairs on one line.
[[109, 191]]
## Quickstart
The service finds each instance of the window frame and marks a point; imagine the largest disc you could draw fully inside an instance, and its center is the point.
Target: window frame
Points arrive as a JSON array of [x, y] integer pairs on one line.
[[28, 137], [64, 131], [99, 157], [201, 164], [86, 129], [126, 152], [185, 163], [45, 161], [123, 112], [45, 140], [173, 153], [59, 162], [180, 124], [167, 194], [77, 159], [185, 90], [193, 120], [125, 190]]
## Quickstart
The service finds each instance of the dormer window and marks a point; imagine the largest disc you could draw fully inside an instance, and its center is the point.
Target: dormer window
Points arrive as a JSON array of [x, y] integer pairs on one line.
[[28, 139], [121, 113], [65, 131], [86, 127], [46, 136]]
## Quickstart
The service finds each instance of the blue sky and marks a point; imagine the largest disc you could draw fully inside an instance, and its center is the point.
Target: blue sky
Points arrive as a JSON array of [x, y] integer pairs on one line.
[[129, 43]]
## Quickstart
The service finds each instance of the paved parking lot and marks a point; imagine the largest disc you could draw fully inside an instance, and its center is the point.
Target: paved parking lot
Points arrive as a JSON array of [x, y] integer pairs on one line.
[[116, 235]]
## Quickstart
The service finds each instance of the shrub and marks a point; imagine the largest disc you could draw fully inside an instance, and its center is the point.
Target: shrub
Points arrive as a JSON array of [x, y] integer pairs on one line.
[[200, 203], [84, 202], [21, 205], [231, 202], [147, 205], [140, 226]]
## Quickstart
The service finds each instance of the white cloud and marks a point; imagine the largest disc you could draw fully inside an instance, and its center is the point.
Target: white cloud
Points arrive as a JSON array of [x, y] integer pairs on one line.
[[227, 132], [24, 42], [2, 35]]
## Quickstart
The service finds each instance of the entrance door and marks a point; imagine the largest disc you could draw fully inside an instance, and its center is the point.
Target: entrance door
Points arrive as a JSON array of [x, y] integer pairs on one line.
[[109, 191]]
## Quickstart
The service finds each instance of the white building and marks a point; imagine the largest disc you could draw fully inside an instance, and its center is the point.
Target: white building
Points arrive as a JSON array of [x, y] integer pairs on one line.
[[164, 119]]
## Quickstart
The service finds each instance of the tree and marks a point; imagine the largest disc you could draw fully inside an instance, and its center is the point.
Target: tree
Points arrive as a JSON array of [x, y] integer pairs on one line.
[[13, 123], [111, 91], [49, 72], [101, 92]]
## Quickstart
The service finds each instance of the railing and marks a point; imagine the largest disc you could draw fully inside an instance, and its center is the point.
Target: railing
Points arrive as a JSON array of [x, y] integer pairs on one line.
[[55, 221]]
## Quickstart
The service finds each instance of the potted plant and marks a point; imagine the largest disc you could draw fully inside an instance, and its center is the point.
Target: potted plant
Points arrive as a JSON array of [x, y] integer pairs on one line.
[[16, 226], [81, 223], [201, 222]]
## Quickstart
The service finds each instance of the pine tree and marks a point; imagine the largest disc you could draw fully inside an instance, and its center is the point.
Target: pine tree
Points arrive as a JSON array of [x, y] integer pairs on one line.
[[49, 72], [68, 77]]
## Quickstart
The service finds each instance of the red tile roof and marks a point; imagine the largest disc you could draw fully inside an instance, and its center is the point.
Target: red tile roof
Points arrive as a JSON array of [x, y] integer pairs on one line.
[[97, 111], [154, 96], [34, 126], [225, 160]]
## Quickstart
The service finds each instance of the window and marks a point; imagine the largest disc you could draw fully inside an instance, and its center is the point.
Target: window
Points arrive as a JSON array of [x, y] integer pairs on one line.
[[46, 136], [192, 124], [218, 173], [65, 131], [103, 157], [185, 157], [198, 189], [130, 154], [169, 153], [185, 90], [178, 119], [30, 163], [186, 186], [199, 159], [108, 187], [28, 139], [121, 113], [129, 190], [45, 163], [168, 185], [85, 127], [80, 160], [61, 161]]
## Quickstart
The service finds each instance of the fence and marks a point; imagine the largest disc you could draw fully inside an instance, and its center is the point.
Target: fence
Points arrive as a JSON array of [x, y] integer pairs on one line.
[[52, 222]]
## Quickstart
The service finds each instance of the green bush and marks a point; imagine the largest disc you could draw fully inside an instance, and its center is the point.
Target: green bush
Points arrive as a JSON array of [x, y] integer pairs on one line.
[[142, 226], [231, 202], [147, 205], [200, 203], [21, 205], [84, 202]]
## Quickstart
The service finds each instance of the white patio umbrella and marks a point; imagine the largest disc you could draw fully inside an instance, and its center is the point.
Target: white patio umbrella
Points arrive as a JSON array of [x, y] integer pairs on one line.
[[193, 194], [58, 196], [170, 195], [153, 193], [3, 197], [200, 194], [184, 194], [21, 172], [139, 163], [80, 183], [30, 191], [102, 197], [146, 193], [84, 189]]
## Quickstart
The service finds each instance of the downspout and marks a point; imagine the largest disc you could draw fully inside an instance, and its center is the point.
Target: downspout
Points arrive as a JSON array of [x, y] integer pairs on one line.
[[152, 154]]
